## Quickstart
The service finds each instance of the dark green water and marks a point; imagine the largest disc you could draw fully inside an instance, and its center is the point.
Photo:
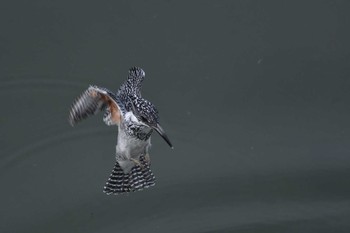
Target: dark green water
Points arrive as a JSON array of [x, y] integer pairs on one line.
[[253, 94]]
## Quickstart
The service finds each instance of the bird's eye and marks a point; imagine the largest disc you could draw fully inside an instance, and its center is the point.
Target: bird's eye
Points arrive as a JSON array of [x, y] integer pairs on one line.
[[144, 119]]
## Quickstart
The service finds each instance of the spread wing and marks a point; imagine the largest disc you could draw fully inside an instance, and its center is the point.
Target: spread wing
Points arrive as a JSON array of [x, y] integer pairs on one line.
[[92, 101]]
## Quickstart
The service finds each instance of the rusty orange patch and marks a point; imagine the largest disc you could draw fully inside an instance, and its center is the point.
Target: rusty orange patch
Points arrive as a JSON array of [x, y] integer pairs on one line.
[[115, 114]]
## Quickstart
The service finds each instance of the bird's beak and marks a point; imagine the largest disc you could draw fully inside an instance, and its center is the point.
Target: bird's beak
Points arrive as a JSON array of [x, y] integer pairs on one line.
[[162, 133]]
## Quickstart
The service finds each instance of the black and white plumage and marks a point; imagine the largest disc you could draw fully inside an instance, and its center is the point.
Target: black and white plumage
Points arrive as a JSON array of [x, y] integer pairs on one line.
[[136, 119]]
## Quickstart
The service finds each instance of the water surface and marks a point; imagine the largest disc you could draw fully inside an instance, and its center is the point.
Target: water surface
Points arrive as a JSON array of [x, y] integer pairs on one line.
[[253, 95]]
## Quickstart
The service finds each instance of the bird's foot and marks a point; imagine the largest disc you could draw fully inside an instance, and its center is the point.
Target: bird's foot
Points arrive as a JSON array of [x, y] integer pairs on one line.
[[137, 162], [147, 158]]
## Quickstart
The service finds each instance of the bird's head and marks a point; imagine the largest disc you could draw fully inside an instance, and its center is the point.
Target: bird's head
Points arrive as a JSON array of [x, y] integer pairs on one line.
[[146, 115]]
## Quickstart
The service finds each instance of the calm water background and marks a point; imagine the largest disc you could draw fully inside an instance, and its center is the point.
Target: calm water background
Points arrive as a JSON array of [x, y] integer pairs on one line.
[[253, 94]]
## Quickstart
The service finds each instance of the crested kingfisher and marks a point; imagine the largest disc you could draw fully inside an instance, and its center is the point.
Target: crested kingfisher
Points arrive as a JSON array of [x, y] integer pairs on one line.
[[136, 118]]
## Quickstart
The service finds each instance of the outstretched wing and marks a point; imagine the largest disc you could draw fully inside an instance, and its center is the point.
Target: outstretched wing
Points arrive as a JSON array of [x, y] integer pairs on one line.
[[92, 101]]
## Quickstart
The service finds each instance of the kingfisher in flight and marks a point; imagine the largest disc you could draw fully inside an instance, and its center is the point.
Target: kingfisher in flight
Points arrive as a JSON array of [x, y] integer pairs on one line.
[[136, 119]]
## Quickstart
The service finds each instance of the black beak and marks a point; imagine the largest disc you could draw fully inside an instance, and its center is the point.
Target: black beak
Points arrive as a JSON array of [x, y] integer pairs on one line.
[[162, 133]]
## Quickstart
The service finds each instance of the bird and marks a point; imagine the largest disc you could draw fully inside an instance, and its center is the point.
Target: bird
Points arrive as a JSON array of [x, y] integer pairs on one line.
[[136, 119]]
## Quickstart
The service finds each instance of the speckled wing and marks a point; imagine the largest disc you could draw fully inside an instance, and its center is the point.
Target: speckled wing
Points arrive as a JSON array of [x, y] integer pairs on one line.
[[92, 101]]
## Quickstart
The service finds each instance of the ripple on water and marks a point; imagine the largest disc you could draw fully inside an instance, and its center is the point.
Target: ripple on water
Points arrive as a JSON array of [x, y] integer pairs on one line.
[[38, 84], [26, 152]]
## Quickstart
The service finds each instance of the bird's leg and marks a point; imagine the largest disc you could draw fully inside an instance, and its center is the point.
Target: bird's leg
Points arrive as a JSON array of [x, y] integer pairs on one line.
[[141, 164], [147, 158], [137, 162]]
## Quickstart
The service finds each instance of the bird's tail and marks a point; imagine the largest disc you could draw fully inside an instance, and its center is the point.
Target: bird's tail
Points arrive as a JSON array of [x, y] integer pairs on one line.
[[139, 177]]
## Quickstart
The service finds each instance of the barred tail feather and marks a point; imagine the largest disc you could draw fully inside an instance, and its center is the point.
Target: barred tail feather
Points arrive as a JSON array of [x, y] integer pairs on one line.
[[138, 178]]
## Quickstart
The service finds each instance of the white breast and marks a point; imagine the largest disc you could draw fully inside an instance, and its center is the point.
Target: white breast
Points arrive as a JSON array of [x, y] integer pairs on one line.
[[130, 147]]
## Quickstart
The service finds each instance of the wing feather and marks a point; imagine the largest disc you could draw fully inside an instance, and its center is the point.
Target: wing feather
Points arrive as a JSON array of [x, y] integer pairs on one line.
[[92, 101]]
